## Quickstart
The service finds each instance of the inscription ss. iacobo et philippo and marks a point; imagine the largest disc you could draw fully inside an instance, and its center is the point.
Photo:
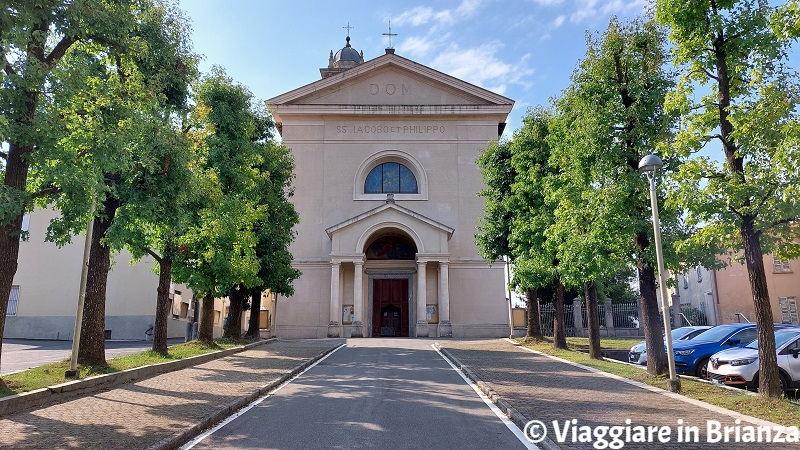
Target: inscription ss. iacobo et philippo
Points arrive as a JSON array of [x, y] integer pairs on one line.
[[389, 128]]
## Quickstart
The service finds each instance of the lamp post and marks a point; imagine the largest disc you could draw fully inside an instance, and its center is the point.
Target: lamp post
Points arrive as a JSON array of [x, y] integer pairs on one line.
[[649, 165]]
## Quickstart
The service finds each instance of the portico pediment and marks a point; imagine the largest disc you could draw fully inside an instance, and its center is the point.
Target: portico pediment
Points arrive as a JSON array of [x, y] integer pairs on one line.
[[390, 84], [352, 235]]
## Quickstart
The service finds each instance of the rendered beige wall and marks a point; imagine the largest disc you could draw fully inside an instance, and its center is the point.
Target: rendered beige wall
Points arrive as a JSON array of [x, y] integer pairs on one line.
[[48, 278], [735, 295]]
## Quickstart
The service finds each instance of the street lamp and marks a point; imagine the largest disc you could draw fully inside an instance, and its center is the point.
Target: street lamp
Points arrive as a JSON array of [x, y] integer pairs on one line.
[[649, 165]]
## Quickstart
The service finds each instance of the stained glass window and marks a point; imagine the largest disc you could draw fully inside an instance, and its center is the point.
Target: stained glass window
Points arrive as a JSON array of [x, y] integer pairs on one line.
[[392, 178], [391, 247]]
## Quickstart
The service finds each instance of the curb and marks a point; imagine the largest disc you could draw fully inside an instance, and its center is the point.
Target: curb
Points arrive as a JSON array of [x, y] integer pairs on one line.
[[58, 393], [207, 422], [515, 416], [699, 403]]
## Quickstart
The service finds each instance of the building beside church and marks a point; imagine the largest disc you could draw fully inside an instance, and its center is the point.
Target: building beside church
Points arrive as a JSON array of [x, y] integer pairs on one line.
[[386, 188]]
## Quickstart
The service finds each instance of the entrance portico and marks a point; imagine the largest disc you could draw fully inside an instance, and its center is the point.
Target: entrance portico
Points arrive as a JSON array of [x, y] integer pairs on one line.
[[404, 258]]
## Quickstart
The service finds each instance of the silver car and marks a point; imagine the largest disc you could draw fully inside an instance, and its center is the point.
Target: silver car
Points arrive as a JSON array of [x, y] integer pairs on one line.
[[638, 353], [739, 366]]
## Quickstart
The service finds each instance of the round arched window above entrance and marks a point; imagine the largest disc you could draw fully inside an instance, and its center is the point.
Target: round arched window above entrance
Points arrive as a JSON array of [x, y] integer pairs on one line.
[[391, 178], [390, 172]]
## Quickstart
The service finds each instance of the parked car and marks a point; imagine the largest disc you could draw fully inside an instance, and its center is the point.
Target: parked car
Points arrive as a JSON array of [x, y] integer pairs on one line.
[[691, 357], [638, 353], [739, 366]]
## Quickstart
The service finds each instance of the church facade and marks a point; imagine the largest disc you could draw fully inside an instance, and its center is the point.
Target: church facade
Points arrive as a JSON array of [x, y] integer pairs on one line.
[[386, 189]]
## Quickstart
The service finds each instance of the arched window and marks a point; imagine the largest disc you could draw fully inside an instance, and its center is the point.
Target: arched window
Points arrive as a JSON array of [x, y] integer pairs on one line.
[[390, 172], [390, 177]]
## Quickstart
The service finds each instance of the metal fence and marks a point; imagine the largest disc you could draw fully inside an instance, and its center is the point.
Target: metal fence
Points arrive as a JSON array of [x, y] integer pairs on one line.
[[547, 312], [613, 316]]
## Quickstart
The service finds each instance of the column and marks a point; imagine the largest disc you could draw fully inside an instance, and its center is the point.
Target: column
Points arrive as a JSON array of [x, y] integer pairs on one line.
[[608, 307], [422, 321], [445, 330], [336, 301], [358, 299], [577, 318]]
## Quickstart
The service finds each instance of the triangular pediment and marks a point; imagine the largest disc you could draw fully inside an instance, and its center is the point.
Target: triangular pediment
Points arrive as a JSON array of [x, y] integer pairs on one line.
[[391, 80], [388, 210]]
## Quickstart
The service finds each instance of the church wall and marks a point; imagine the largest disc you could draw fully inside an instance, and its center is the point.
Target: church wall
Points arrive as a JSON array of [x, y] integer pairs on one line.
[[478, 306], [306, 313], [334, 126]]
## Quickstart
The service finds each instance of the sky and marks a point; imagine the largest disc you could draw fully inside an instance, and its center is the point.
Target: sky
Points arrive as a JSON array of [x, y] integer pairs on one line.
[[523, 49]]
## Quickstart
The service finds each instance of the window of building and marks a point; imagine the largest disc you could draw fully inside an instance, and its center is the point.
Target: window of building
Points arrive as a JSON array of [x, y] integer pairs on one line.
[[13, 301], [390, 178], [788, 306], [780, 265], [390, 172], [699, 275]]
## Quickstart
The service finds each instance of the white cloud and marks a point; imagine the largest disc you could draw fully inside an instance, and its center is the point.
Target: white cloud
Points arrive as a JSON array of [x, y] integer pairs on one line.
[[415, 16], [548, 2], [422, 15], [480, 66], [415, 46], [558, 21], [588, 9]]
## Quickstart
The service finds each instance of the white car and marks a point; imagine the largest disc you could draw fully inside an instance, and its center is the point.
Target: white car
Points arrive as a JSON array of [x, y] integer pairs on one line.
[[638, 353], [739, 366]]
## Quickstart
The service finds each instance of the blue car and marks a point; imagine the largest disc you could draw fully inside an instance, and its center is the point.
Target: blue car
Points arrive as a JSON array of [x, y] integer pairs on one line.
[[691, 357]]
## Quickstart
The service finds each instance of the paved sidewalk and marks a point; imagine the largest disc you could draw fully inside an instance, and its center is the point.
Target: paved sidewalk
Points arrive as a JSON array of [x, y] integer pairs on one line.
[[142, 414], [544, 389]]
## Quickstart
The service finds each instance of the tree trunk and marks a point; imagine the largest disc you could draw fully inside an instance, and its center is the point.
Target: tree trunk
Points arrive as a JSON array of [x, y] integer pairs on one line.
[[593, 315], [559, 337], [653, 330], [92, 351], [534, 319], [234, 328], [162, 305], [205, 331], [768, 381], [253, 328], [16, 178]]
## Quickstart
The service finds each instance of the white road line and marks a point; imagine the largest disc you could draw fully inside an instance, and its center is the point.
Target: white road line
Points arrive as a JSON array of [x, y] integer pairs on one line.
[[233, 417], [508, 423]]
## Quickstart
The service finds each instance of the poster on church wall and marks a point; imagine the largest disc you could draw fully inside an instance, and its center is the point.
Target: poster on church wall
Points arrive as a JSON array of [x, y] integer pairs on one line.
[[348, 314], [432, 314]]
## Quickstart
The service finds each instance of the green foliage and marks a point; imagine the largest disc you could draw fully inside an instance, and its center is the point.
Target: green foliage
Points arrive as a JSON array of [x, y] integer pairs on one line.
[[243, 221], [608, 119], [736, 90], [495, 225]]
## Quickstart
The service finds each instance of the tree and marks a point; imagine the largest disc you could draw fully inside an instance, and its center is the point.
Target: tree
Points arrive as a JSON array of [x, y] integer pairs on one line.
[[217, 254], [748, 202], [608, 119], [80, 136], [536, 263], [34, 38], [116, 126], [276, 233], [494, 228]]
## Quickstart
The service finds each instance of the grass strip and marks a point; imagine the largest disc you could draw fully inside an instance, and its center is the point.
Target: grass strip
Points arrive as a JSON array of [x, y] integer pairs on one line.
[[780, 411], [53, 373]]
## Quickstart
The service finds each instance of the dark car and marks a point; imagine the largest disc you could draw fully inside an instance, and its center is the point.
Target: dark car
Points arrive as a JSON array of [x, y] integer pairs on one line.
[[691, 357]]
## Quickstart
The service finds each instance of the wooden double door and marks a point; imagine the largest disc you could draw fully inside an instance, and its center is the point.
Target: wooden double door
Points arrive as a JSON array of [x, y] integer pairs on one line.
[[390, 307]]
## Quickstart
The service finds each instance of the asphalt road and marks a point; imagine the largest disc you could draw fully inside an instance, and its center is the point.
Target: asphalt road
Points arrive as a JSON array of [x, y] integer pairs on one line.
[[373, 393], [21, 354]]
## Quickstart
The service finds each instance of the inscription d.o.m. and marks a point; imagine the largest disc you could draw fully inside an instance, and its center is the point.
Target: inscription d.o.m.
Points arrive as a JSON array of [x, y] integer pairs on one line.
[[388, 89]]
